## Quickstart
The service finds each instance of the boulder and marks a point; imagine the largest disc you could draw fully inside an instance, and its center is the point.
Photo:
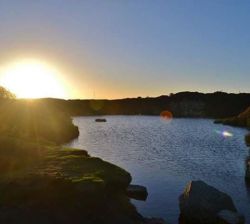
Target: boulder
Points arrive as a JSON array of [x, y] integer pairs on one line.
[[247, 137], [229, 217], [154, 221], [137, 192], [201, 203], [100, 120], [247, 175]]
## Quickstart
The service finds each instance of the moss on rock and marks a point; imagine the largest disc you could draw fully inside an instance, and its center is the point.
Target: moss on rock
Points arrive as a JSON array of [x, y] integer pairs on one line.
[[47, 183]]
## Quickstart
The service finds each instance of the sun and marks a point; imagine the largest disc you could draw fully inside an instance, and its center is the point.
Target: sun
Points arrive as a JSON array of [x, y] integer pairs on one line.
[[32, 78]]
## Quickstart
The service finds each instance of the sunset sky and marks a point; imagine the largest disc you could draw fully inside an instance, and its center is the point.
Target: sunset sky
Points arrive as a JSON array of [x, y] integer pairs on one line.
[[128, 48]]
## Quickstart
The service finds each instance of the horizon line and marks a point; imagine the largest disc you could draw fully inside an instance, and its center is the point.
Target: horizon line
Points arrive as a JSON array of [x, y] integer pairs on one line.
[[136, 97]]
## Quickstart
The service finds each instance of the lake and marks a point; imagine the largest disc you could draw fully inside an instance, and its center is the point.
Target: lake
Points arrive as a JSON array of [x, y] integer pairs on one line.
[[165, 155]]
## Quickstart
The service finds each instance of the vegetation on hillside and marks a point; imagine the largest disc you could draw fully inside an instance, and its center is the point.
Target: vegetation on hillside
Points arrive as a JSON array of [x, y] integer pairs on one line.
[[6, 94], [46, 183], [35, 120], [183, 104], [42, 182]]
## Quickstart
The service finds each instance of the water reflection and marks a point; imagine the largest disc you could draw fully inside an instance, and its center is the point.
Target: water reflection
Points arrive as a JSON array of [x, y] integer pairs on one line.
[[224, 133], [166, 115]]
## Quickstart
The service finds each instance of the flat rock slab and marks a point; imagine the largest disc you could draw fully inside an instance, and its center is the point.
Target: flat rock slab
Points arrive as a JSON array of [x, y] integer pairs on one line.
[[100, 120], [137, 192]]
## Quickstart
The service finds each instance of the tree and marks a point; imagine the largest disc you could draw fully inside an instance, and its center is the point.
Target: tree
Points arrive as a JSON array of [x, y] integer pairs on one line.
[[6, 94]]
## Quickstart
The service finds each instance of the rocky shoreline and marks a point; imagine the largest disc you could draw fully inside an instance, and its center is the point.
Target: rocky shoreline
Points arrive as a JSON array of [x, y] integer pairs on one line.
[[242, 120], [48, 183], [44, 182], [201, 203]]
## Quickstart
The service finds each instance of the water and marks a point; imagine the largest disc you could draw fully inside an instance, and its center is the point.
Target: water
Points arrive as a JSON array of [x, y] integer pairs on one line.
[[164, 156]]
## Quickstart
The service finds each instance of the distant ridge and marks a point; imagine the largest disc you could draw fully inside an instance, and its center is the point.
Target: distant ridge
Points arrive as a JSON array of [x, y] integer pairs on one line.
[[182, 104]]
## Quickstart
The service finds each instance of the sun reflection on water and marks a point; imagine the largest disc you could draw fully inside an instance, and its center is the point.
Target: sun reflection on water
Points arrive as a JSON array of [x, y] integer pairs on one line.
[[224, 133]]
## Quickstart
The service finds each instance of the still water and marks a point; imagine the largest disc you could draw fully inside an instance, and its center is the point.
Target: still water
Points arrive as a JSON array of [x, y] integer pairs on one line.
[[165, 155]]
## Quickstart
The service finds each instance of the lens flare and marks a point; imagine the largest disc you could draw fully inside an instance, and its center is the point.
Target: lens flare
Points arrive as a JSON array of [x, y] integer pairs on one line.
[[166, 115]]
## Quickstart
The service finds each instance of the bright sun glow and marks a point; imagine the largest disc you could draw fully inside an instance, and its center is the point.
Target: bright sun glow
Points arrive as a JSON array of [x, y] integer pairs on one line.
[[29, 78]]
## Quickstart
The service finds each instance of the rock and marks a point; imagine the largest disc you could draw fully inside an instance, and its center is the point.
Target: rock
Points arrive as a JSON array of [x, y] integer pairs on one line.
[[200, 203], [247, 138], [100, 120], [229, 217], [154, 221], [218, 121], [247, 175], [137, 192]]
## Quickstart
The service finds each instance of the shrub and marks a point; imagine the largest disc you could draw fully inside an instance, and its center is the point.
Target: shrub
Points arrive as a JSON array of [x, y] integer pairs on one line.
[[36, 120], [6, 94]]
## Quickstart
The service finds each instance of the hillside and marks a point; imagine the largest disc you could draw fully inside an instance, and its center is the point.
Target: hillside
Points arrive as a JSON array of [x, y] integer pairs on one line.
[[44, 182], [241, 120], [183, 104]]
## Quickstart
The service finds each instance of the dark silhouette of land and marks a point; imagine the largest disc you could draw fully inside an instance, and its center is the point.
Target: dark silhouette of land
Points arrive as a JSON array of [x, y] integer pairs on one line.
[[183, 104], [44, 182]]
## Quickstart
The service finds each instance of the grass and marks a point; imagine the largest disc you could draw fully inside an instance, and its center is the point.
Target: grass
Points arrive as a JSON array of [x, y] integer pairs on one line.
[[36, 120], [43, 182], [37, 158], [63, 182]]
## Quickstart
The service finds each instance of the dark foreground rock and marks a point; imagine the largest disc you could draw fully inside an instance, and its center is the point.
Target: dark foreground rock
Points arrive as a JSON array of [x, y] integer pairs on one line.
[[50, 184], [247, 175], [137, 192], [100, 120], [247, 139], [201, 204], [229, 217]]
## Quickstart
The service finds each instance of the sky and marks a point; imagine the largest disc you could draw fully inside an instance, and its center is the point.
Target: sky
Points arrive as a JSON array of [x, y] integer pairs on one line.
[[130, 48]]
